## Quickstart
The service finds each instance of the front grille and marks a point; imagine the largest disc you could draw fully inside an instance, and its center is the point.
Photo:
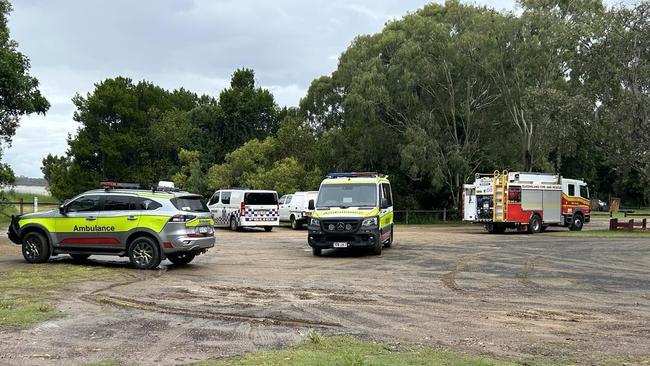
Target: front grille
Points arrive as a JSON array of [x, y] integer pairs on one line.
[[340, 226]]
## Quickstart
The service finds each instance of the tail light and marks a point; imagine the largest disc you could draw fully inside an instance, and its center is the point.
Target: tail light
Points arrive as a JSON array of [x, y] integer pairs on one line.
[[242, 208], [182, 218]]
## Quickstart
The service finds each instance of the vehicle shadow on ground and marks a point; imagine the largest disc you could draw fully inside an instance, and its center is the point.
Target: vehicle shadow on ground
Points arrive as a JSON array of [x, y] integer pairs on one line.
[[350, 253]]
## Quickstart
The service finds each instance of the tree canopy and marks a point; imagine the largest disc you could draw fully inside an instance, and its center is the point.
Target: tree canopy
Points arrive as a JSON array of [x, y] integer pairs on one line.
[[442, 93]]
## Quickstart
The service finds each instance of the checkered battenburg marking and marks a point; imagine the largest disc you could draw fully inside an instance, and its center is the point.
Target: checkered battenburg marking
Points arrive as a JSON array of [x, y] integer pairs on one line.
[[250, 214]]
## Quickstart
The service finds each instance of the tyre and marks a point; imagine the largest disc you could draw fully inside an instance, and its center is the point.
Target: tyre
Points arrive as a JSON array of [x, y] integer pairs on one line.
[[376, 250], [535, 224], [316, 252], [389, 243], [268, 228], [295, 225], [578, 222], [36, 248], [233, 224], [144, 253], [181, 259], [79, 257]]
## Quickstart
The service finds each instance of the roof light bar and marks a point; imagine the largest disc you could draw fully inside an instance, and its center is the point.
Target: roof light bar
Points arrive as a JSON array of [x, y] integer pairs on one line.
[[118, 185], [354, 175]]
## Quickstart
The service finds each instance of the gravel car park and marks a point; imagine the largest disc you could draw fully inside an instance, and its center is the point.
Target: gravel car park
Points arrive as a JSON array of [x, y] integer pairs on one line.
[[513, 295]]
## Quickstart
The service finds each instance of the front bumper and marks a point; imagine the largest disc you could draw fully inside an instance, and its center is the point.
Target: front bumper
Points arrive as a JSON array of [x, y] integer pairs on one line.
[[14, 230], [364, 237]]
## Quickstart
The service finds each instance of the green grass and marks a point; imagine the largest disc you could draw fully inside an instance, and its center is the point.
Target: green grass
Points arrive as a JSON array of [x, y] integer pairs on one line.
[[344, 350], [26, 293], [604, 233]]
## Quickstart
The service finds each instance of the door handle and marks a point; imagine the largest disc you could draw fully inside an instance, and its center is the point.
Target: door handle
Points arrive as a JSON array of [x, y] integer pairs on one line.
[[90, 218], [131, 218]]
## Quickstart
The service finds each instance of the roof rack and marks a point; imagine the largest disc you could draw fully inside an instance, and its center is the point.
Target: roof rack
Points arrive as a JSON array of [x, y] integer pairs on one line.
[[107, 185], [355, 175]]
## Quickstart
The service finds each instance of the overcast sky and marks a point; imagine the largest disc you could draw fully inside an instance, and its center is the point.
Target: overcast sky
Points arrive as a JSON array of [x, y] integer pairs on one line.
[[195, 44]]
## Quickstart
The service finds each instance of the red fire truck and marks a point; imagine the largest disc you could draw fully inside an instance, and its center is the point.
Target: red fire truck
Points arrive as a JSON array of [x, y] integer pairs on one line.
[[526, 201]]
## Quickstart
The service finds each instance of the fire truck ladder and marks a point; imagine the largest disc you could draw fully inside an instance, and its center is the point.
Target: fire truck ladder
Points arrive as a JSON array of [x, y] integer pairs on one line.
[[499, 198]]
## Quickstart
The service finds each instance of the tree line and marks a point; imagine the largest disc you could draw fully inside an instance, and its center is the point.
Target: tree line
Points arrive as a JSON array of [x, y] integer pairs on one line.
[[435, 97]]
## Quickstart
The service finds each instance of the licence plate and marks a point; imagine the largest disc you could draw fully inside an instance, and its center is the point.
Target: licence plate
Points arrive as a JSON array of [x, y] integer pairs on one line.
[[204, 229], [340, 245]]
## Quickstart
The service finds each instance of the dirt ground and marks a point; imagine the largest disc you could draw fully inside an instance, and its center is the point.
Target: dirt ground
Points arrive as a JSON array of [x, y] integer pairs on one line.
[[511, 295]]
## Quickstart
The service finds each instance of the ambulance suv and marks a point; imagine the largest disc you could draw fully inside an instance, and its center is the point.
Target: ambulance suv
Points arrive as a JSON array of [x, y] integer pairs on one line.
[[146, 226], [245, 208], [353, 210]]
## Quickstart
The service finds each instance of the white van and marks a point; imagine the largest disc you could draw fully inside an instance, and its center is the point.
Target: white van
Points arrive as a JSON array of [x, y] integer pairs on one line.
[[294, 208], [237, 208]]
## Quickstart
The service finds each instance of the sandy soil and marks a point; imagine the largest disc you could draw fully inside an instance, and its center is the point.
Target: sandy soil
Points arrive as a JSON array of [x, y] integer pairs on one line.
[[512, 295]]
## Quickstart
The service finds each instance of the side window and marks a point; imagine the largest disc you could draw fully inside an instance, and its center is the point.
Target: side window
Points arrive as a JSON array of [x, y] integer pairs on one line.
[[84, 203], [118, 203], [282, 199], [289, 198], [214, 199], [385, 193], [584, 192], [572, 190], [146, 204], [225, 198]]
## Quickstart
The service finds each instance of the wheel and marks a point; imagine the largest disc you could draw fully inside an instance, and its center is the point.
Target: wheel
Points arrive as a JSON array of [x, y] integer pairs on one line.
[[144, 253], [316, 252], [295, 225], [36, 248], [181, 258], [376, 250], [578, 222], [535, 224], [233, 224], [79, 257], [268, 228], [389, 243]]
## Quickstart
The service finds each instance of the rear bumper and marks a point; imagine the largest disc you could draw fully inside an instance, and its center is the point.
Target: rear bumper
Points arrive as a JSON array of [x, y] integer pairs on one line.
[[254, 222], [189, 244]]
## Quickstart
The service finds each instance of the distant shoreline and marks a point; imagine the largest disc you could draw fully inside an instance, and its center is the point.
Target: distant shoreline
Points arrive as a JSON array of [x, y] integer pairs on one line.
[[25, 188]]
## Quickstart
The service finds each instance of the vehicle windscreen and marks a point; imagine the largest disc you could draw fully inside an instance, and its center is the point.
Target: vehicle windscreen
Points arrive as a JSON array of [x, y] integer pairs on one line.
[[191, 203], [347, 195], [259, 198]]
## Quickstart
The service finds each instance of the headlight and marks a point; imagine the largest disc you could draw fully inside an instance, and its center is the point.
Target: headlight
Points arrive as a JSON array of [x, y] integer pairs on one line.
[[370, 221], [315, 222]]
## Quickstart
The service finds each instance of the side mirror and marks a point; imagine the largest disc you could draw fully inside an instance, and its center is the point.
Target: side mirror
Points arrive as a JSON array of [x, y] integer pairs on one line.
[[311, 205], [62, 209]]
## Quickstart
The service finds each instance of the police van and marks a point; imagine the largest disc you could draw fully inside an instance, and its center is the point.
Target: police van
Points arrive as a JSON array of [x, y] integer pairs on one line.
[[145, 225], [353, 210], [243, 208]]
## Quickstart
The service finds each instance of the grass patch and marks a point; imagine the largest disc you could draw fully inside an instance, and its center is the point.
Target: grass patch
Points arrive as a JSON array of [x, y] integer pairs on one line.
[[343, 350], [603, 233], [26, 293]]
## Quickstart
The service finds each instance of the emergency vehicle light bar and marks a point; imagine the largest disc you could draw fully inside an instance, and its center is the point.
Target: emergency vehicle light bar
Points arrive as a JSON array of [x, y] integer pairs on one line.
[[354, 174], [118, 185]]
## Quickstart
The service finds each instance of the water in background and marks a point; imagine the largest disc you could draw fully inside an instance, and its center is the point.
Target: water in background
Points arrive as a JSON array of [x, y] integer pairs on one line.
[[31, 189]]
